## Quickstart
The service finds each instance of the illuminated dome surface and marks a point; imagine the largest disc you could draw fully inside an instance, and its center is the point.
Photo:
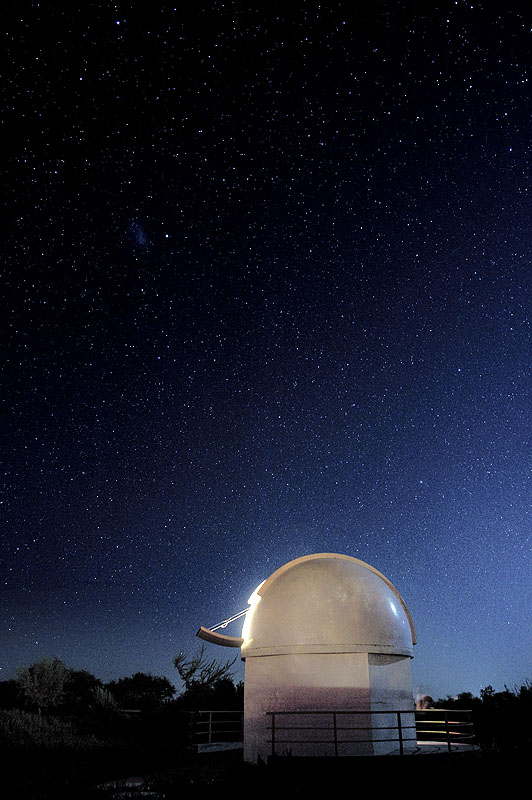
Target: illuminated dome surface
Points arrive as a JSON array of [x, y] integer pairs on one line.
[[327, 603]]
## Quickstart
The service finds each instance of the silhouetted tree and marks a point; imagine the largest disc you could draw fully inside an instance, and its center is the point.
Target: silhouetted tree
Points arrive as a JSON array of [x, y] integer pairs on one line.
[[208, 684], [103, 700], [200, 670], [79, 690], [500, 719], [42, 684], [141, 691], [487, 693]]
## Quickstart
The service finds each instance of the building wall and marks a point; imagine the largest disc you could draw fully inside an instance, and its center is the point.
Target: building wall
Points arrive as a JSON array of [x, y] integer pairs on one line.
[[391, 688], [320, 682]]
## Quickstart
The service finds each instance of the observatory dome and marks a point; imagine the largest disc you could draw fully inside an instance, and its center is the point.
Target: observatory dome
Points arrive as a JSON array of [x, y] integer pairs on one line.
[[327, 603]]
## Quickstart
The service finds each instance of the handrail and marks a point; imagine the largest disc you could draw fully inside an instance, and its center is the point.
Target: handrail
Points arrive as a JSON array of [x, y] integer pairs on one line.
[[441, 726], [442, 729], [218, 725]]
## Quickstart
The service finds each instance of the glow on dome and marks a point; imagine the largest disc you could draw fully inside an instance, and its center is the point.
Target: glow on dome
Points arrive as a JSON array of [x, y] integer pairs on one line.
[[327, 602], [253, 602]]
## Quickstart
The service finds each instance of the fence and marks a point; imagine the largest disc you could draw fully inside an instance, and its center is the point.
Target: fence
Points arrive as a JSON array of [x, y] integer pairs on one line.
[[432, 726], [443, 725], [218, 727], [338, 729]]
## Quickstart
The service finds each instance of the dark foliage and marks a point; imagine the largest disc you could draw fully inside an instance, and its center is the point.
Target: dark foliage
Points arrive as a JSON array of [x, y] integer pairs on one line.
[[142, 691], [221, 695], [201, 671], [42, 684], [79, 691], [65, 732], [208, 684], [501, 719]]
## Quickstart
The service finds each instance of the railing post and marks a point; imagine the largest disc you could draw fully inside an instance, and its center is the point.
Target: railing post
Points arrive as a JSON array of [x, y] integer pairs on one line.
[[335, 735], [447, 733], [273, 733], [400, 732], [209, 738]]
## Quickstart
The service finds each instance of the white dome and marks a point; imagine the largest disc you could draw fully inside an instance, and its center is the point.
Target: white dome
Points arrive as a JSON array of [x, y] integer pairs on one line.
[[327, 603]]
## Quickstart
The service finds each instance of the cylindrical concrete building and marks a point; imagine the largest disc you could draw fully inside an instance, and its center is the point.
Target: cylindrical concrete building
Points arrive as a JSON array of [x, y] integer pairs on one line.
[[328, 634]]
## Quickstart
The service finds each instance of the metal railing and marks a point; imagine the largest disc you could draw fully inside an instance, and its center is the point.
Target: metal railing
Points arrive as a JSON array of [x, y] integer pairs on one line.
[[217, 727], [449, 727], [444, 725], [278, 731], [435, 725]]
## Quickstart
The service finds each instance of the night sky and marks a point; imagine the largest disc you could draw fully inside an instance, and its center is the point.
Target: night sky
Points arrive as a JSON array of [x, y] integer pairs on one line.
[[266, 291]]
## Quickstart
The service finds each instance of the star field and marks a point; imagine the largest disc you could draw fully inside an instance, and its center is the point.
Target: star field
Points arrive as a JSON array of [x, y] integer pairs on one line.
[[267, 291]]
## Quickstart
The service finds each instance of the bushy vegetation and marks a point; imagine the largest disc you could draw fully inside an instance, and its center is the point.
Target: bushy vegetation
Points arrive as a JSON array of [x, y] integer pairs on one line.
[[208, 684], [27, 730], [63, 727], [502, 720]]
